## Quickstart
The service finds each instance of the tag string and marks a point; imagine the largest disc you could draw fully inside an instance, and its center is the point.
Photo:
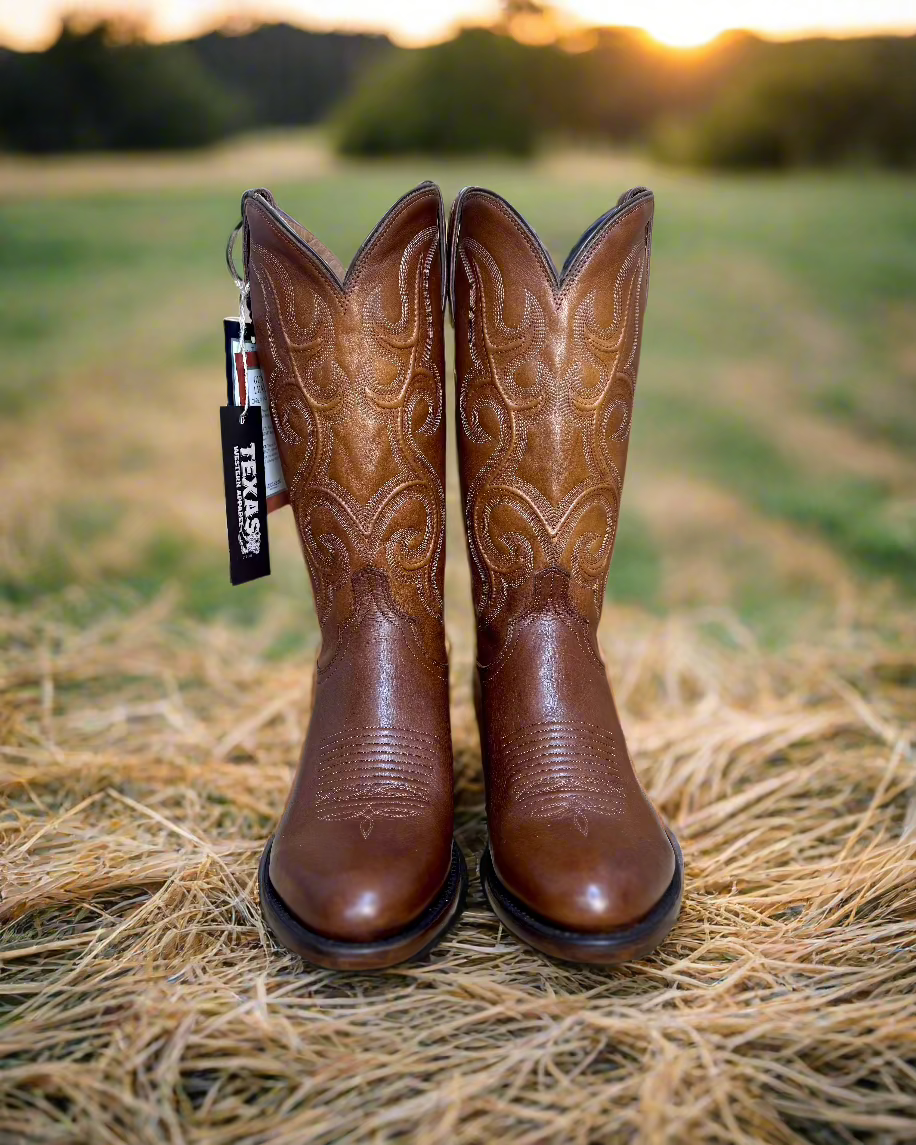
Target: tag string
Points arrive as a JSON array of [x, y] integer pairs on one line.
[[230, 260], [243, 322], [243, 289]]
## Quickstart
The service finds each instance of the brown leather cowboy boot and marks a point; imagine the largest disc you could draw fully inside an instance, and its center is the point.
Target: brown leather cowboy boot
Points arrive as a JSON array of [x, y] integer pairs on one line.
[[363, 872], [579, 864]]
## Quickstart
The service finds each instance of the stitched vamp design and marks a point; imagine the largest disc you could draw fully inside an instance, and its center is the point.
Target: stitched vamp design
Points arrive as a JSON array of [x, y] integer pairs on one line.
[[558, 770], [376, 773]]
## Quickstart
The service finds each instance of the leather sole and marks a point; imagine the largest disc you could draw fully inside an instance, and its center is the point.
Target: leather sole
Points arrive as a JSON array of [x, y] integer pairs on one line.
[[608, 948], [409, 944]]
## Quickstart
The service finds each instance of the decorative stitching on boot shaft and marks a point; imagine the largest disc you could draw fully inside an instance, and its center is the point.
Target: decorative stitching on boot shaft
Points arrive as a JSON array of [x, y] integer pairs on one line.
[[346, 411], [545, 408]]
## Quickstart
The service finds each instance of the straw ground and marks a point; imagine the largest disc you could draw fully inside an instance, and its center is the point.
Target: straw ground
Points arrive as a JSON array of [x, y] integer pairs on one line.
[[146, 760]]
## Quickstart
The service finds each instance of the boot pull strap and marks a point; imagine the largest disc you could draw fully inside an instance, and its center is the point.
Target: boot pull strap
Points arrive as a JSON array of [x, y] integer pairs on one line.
[[240, 228], [454, 229]]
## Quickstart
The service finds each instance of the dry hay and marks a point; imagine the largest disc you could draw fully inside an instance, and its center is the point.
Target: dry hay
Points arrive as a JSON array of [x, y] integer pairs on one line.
[[144, 761]]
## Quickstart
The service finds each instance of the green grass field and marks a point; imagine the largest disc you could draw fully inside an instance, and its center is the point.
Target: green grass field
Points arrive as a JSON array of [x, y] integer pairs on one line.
[[774, 449]]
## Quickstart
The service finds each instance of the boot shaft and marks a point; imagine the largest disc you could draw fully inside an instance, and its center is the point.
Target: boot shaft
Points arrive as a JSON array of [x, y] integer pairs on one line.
[[355, 366], [546, 372]]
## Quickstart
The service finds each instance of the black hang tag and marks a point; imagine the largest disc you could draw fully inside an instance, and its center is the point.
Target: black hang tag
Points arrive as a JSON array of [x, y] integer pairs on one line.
[[246, 493]]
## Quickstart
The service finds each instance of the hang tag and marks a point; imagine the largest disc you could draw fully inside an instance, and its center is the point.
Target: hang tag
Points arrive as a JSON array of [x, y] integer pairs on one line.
[[246, 493], [238, 373]]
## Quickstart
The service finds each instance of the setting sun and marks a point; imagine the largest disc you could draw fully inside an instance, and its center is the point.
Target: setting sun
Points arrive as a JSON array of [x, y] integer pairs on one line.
[[683, 31]]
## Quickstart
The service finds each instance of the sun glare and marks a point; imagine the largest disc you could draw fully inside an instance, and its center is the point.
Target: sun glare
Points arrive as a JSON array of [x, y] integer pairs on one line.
[[682, 37], [683, 30], [680, 24]]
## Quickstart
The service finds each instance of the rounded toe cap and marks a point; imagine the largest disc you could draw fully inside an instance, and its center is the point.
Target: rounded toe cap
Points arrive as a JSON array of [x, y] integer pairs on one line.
[[362, 905], [610, 899], [592, 892]]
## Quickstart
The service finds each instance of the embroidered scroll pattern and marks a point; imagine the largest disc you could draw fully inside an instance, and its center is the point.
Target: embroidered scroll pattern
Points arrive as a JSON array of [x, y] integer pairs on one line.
[[518, 382], [316, 403]]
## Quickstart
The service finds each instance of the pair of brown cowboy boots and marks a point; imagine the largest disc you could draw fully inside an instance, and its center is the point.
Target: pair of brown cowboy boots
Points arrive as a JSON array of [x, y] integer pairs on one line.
[[363, 871]]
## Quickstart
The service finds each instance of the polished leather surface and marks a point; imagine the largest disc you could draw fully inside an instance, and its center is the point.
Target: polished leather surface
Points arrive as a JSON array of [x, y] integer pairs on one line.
[[546, 371], [354, 364]]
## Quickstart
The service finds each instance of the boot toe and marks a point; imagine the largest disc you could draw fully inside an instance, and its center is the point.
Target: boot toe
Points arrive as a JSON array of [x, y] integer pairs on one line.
[[359, 906], [591, 892], [608, 900]]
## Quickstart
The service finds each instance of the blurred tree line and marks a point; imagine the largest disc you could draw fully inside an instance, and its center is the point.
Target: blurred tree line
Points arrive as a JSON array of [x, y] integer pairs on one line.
[[739, 102], [100, 86]]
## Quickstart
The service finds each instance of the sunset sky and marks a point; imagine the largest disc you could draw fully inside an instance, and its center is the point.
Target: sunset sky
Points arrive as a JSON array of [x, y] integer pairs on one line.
[[33, 23]]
